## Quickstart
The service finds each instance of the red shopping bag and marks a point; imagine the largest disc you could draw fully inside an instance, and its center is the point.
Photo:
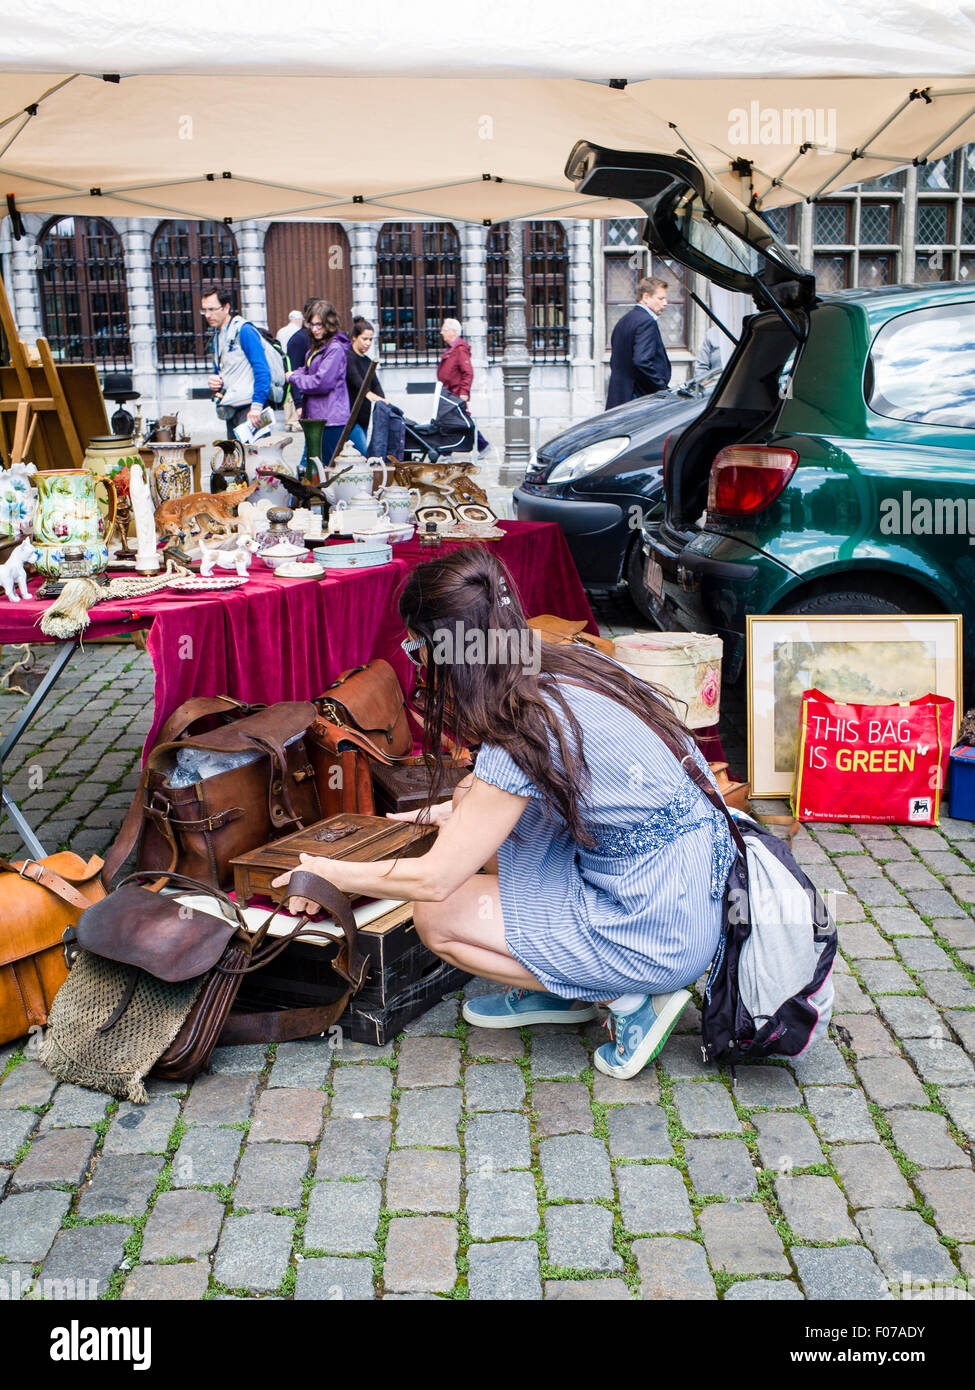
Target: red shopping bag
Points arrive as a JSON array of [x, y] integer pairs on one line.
[[880, 763]]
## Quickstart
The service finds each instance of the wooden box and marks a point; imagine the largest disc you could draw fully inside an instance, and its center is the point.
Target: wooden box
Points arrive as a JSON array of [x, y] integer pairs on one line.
[[406, 787], [349, 836], [403, 980]]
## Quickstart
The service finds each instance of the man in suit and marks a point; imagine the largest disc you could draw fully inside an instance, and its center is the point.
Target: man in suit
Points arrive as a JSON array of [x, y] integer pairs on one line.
[[639, 364]]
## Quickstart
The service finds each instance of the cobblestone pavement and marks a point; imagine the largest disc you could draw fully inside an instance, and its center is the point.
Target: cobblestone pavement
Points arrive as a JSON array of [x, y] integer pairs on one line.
[[463, 1163]]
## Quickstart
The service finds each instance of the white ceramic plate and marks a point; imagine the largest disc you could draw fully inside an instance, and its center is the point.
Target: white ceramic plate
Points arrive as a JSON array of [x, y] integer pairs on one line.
[[300, 569], [197, 584]]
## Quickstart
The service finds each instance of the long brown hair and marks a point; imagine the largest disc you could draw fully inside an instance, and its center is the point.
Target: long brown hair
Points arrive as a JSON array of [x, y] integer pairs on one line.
[[465, 606]]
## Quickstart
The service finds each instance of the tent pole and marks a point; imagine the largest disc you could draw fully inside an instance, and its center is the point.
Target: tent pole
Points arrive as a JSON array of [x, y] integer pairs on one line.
[[516, 365]]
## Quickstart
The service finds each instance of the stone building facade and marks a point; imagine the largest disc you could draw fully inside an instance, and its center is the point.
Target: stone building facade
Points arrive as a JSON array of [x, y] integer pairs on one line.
[[917, 223]]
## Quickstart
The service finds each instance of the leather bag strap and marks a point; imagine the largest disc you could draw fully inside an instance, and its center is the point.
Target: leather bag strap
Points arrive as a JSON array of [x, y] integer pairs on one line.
[[37, 872], [700, 779], [281, 1025], [201, 707]]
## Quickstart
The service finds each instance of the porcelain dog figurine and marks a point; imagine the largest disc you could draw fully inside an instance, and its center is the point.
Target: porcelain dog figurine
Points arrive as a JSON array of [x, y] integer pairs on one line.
[[238, 558], [13, 575]]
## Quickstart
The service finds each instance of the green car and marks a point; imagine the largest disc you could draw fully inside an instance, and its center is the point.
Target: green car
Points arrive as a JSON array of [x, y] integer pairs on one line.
[[833, 469]]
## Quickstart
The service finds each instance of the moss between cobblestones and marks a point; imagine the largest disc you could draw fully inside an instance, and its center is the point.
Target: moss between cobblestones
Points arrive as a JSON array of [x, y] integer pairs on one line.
[[907, 1167], [14, 1060]]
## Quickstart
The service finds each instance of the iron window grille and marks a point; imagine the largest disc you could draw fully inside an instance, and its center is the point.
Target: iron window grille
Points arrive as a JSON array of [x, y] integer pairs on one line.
[[187, 258], [418, 273], [625, 259], [546, 272], [945, 224], [83, 294], [856, 235]]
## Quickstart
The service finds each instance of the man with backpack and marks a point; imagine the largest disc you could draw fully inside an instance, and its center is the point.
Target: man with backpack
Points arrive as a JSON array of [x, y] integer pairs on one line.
[[244, 372]]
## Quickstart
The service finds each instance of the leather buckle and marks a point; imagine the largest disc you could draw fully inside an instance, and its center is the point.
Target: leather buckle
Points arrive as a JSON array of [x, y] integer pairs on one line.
[[164, 806], [21, 870]]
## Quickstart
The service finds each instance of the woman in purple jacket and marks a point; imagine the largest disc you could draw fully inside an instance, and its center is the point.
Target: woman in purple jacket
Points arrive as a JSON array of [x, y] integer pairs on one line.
[[322, 379]]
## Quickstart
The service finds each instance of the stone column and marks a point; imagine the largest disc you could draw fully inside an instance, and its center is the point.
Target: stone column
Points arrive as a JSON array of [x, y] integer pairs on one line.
[[908, 228], [516, 366], [362, 258], [250, 258], [585, 261], [136, 234], [23, 286], [579, 239], [473, 298]]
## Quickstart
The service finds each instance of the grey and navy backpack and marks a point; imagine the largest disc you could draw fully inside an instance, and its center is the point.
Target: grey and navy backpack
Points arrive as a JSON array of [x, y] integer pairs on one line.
[[770, 987]]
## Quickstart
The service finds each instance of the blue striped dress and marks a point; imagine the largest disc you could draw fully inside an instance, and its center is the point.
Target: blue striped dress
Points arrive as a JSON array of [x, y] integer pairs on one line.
[[642, 911]]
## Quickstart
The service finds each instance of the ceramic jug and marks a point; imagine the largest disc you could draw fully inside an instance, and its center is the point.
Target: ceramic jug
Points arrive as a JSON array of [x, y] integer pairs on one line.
[[68, 512], [260, 459], [400, 502], [356, 483]]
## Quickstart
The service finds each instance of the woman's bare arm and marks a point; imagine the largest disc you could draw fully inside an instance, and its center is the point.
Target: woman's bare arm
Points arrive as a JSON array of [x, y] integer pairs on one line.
[[482, 820]]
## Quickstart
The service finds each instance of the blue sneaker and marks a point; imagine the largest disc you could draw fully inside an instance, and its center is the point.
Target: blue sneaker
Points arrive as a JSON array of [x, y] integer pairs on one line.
[[517, 1007], [639, 1036]]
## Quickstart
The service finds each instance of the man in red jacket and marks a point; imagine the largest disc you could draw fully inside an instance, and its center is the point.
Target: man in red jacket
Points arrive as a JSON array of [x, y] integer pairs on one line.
[[455, 370]]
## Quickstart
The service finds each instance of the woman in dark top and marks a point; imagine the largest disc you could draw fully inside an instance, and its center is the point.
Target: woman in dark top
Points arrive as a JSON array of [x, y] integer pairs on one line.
[[357, 364]]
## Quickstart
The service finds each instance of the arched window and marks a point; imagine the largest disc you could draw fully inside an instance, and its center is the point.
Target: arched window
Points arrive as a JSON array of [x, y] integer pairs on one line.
[[83, 299], [418, 270], [187, 258], [546, 271]]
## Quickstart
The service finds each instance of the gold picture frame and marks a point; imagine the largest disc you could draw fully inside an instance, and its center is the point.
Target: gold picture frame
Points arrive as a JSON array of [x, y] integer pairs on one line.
[[895, 657]]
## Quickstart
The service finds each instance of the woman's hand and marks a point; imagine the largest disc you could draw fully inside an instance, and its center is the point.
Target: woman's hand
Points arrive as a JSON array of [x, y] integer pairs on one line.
[[437, 815], [304, 907]]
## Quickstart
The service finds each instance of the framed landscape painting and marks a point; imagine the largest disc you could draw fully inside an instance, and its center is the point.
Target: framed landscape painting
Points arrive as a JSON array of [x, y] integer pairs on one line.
[[862, 660]]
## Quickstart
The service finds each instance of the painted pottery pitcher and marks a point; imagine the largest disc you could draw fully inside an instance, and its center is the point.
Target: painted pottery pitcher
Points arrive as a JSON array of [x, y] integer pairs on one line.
[[68, 513], [171, 474]]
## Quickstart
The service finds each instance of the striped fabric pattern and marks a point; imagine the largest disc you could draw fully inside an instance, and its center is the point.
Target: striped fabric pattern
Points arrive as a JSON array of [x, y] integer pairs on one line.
[[642, 911]]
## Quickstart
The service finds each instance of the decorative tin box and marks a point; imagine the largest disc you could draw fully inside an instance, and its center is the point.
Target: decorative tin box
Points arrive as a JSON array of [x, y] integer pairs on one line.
[[357, 555]]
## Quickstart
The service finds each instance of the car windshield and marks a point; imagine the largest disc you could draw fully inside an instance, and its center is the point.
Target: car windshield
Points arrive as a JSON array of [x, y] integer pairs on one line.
[[922, 367]]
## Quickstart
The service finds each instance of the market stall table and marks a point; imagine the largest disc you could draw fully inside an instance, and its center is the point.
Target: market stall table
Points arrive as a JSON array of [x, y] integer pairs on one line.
[[285, 639]]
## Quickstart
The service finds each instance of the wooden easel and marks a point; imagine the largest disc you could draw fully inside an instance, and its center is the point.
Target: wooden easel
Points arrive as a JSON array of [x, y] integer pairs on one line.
[[20, 413]]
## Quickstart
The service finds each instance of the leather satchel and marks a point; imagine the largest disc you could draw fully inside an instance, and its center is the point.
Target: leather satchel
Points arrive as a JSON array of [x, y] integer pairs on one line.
[[361, 717], [38, 900], [566, 631], [198, 828], [172, 941]]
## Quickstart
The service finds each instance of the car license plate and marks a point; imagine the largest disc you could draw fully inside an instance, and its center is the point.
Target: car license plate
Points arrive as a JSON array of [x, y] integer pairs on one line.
[[654, 577]]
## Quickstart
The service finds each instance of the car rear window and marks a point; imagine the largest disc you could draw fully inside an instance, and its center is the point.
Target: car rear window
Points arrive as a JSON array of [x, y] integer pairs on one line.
[[922, 367]]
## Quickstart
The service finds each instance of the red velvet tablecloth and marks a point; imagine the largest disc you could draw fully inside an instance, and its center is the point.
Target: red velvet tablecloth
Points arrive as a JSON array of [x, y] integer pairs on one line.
[[289, 639]]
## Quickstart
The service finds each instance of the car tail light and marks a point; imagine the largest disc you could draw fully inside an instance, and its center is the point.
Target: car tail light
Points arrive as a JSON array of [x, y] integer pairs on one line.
[[746, 478]]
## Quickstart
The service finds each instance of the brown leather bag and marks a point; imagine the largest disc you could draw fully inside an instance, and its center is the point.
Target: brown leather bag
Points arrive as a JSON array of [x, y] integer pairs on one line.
[[38, 900], [565, 631], [360, 717], [155, 933], [199, 828]]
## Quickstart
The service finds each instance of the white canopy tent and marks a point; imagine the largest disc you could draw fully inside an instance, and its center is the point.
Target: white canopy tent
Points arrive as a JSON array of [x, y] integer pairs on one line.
[[446, 109]]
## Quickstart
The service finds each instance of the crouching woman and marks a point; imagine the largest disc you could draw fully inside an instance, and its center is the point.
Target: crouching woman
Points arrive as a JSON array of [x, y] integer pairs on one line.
[[580, 864]]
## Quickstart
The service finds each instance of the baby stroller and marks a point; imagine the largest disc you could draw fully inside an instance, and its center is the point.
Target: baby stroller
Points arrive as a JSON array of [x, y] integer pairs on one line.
[[451, 430]]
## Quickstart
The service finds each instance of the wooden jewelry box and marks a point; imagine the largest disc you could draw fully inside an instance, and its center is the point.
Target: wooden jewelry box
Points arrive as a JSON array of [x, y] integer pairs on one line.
[[361, 838]]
